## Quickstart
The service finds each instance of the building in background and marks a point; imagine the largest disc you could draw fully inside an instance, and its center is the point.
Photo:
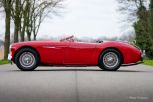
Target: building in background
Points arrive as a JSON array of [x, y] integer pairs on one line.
[[1, 50]]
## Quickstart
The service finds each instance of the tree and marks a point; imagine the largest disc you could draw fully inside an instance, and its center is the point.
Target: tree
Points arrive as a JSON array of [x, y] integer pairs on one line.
[[151, 19], [143, 22], [6, 4], [39, 11], [17, 14], [28, 16]]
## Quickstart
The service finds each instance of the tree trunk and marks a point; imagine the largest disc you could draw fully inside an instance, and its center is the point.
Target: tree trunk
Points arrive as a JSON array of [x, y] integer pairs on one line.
[[34, 34], [29, 36], [16, 21], [16, 37], [35, 37], [22, 36], [7, 33], [23, 31]]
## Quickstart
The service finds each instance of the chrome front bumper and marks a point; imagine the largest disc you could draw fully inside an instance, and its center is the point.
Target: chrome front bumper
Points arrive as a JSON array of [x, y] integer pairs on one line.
[[9, 58]]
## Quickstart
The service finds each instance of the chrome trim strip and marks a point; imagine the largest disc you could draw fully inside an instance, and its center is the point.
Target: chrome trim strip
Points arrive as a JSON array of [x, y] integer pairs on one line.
[[50, 47]]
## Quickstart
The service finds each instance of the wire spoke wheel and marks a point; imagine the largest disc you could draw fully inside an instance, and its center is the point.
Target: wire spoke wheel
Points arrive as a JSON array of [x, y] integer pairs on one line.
[[27, 59], [110, 60]]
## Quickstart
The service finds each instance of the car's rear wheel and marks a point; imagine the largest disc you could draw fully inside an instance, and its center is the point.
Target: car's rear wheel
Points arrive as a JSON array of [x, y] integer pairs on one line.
[[27, 59], [110, 60]]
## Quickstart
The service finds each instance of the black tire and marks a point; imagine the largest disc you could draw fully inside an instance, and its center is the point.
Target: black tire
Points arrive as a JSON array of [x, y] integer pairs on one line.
[[117, 58], [21, 63]]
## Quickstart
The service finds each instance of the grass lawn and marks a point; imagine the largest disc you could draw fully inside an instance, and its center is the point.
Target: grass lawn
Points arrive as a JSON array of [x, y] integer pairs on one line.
[[3, 62], [148, 62]]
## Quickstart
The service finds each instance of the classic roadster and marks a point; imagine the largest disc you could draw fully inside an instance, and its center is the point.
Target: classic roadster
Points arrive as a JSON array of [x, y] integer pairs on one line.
[[108, 55]]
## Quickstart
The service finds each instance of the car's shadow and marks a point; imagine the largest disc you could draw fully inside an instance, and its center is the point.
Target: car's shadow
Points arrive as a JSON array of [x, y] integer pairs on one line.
[[81, 70]]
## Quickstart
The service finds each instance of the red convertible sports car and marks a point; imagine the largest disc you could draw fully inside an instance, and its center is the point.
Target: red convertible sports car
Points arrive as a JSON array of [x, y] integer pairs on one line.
[[108, 55]]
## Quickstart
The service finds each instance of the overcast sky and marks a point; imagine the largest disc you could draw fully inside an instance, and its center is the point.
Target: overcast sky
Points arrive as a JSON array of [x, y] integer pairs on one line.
[[82, 18]]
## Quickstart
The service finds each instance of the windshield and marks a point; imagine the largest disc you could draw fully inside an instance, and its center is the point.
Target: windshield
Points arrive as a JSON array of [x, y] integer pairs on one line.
[[75, 39], [69, 39]]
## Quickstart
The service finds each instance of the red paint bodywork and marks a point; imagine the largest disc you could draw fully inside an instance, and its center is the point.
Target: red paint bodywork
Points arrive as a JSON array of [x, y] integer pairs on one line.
[[77, 53]]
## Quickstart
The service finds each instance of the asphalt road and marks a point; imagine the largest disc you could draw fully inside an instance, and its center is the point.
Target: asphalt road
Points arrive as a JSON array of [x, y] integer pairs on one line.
[[76, 84]]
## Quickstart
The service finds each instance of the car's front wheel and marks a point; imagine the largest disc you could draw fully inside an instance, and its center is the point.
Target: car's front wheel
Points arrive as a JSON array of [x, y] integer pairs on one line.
[[110, 60], [27, 59]]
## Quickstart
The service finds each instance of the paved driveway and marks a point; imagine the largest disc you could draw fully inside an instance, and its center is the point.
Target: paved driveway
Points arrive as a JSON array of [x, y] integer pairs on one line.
[[76, 84]]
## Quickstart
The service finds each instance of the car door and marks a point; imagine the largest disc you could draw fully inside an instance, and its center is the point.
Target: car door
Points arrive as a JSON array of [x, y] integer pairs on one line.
[[80, 53], [54, 52]]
